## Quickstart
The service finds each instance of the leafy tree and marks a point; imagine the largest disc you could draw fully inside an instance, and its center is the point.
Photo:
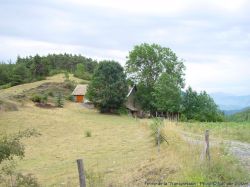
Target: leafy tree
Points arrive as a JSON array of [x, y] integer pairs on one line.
[[190, 103], [108, 87], [81, 73], [146, 63], [167, 94], [200, 106], [59, 100], [20, 74], [38, 67], [5, 73]]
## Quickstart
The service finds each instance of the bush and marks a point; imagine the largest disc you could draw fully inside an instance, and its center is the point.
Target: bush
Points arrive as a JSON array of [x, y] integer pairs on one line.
[[26, 180], [88, 133], [59, 100], [40, 98], [51, 94], [55, 71], [66, 76], [70, 97], [69, 84], [122, 111], [11, 147], [5, 86]]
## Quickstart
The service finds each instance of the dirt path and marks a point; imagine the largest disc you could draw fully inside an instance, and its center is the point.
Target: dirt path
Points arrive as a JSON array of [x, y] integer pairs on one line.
[[239, 149]]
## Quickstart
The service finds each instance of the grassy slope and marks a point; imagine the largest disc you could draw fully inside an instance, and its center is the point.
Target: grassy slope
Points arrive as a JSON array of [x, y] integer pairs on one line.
[[120, 148], [52, 156], [5, 93], [225, 130], [240, 116]]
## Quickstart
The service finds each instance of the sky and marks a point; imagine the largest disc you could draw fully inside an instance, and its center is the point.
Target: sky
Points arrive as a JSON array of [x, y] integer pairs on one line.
[[211, 36]]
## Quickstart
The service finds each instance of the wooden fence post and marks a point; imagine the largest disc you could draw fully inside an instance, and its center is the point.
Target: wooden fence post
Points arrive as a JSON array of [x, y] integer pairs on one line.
[[207, 152], [158, 138], [81, 172]]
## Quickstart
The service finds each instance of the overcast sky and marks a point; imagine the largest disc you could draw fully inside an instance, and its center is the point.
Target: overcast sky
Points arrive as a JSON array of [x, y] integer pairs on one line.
[[212, 36]]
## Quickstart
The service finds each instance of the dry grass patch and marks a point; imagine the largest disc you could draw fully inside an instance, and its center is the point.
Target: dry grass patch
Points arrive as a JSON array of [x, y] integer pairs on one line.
[[120, 151]]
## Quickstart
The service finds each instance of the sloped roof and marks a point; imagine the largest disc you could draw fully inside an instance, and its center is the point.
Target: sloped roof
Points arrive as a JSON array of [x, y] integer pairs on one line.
[[131, 90], [130, 107], [80, 89]]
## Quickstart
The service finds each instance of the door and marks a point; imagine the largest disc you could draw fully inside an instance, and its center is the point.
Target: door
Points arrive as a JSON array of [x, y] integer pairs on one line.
[[79, 98]]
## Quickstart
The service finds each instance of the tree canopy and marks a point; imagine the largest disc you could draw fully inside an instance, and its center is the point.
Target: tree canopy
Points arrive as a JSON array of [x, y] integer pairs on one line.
[[145, 65], [200, 106], [108, 87], [167, 94], [37, 67]]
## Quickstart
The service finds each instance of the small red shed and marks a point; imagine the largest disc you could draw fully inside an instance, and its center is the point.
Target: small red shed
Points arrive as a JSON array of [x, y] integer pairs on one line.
[[79, 93]]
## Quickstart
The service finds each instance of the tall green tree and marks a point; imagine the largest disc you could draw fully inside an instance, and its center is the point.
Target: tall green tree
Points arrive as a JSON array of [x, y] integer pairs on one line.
[[200, 106], [108, 87], [146, 63], [5, 73], [81, 72], [39, 66], [167, 94]]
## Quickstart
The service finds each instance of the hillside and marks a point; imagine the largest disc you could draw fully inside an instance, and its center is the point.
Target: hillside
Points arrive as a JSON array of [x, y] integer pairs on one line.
[[120, 150], [242, 116]]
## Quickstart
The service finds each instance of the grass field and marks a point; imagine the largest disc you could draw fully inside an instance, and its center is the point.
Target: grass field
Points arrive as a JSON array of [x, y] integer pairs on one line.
[[119, 152], [226, 130]]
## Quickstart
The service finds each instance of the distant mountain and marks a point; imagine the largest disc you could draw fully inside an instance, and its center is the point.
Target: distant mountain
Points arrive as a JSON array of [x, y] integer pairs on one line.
[[231, 104]]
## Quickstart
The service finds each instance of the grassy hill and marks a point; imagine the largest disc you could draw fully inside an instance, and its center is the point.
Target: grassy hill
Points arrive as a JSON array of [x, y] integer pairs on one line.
[[243, 116], [119, 152]]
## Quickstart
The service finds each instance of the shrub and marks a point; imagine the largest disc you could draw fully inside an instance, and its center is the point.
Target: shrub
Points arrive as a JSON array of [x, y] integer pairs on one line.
[[40, 98], [84, 82], [26, 180], [122, 111], [69, 84], [5, 86], [88, 133], [59, 100], [12, 147], [70, 97], [66, 76], [51, 94], [55, 71], [36, 98]]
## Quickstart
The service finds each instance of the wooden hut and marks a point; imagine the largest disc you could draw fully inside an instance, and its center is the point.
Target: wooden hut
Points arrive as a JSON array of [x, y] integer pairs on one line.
[[130, 104], [79, 92]]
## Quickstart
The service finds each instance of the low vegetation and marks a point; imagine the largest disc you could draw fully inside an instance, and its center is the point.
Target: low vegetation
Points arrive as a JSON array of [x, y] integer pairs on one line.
[[88, 133], [120, 152], [224, 130], [12, 148], [7, 106], [243, 116]]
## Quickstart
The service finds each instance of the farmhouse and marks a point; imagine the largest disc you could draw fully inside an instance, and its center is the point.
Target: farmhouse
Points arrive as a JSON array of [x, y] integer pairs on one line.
[[79, 93], [130, 104]]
